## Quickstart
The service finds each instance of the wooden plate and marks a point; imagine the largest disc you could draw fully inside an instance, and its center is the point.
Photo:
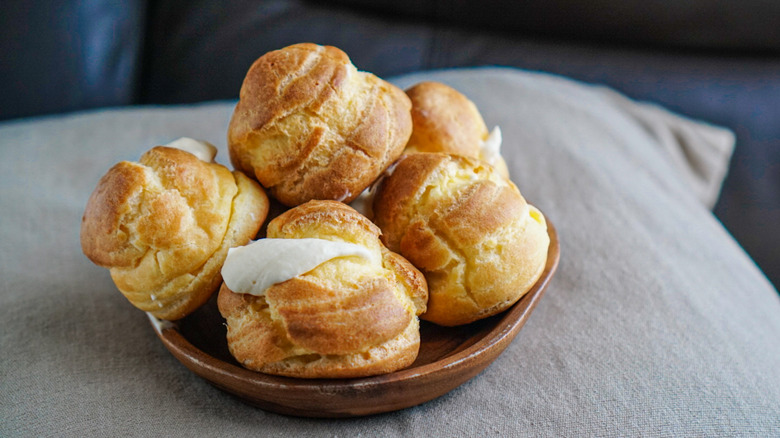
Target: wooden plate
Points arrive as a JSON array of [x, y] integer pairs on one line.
[[449, 356]]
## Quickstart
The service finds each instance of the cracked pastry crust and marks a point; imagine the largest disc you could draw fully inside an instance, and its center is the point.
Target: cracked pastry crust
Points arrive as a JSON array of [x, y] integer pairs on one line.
[[444, 120], [163, 225], [309, 125], [479, 244], [348, 317]]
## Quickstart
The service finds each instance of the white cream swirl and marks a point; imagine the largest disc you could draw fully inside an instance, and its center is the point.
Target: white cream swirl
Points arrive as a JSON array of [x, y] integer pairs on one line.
[[491, 148], [253, 268], [204, 150]]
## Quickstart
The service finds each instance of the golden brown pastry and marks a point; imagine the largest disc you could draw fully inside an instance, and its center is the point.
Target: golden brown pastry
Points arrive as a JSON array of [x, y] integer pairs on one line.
[[350, 316], [444, 120], [309, 125], [469, 230], [163, 227]]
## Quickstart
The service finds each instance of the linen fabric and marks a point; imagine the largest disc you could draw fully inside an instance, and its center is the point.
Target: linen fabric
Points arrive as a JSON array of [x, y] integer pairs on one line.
[[656, 323]]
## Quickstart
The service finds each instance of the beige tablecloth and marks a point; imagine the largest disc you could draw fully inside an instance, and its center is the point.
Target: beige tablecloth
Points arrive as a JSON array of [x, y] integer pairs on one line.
[[657, 323]]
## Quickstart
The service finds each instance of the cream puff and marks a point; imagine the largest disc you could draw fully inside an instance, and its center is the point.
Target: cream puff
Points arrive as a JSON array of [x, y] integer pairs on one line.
[[309, 125], [480, 245], [444, 120], [163, 226], [321, 297]]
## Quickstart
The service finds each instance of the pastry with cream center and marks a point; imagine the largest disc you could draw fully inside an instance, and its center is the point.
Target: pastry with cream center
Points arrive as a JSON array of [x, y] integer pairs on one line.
[[480, 245], [444, 120], [321, 297], [163, 225]]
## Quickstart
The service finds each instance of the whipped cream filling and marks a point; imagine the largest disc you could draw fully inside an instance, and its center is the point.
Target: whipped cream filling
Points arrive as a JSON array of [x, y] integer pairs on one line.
[[491, 148], [253, 268], [204, 150], [160, 324]]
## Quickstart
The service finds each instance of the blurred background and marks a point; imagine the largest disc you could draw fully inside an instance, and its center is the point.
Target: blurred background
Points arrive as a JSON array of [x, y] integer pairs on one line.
[[713, 60]]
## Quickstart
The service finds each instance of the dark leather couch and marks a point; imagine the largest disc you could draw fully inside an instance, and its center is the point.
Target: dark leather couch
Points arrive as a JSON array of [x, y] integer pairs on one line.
[[716, 60]]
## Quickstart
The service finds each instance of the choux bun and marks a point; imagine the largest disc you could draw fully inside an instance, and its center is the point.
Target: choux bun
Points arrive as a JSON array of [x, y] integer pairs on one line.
[[444, 120], [309, 125], [163, 226], [348, 317], [469, 230]]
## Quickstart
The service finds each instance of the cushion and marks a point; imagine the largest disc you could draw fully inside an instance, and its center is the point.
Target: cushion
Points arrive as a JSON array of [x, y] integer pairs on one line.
[[657, 322]]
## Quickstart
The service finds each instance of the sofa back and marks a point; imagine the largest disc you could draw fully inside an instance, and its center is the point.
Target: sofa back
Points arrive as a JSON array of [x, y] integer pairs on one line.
[[74, 54]]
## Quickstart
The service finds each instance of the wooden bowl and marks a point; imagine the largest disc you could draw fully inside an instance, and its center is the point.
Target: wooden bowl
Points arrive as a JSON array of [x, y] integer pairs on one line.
[[449, 356]]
